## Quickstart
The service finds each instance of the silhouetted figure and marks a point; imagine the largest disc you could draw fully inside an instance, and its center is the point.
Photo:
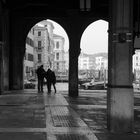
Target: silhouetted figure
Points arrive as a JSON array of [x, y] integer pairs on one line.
[[51, 80], [54, 81], [40, 76]]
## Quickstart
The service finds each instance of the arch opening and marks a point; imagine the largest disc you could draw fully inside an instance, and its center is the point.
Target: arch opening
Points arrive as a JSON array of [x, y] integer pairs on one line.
[[136, 64], [46, 44], [93, 60]]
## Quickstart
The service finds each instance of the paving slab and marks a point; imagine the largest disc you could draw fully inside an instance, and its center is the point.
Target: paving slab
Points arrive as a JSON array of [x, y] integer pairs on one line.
[[118, 136], [34, 116], [21, 99], [73, 137], [23, 136], [18, 116], [65, 117], [54, 100], [28, 115]]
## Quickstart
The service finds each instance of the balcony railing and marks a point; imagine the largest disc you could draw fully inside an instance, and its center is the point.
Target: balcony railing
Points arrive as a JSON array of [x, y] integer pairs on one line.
[[39, 49]]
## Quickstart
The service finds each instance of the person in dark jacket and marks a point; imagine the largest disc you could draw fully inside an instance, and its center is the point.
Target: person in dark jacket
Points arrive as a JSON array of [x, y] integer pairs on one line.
[[40, 76], [54, 81], [51, 80]]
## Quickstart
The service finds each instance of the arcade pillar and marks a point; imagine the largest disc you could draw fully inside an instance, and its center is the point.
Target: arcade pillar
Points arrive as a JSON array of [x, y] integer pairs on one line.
[[120, 91], [1, 49], [74, 51], [6, 49], [1, 67], [17, 49]]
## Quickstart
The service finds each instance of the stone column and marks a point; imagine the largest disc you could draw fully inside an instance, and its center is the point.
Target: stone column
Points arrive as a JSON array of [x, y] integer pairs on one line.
[[17, 49], [1, 51], [16, 70], [6, 49], [74, 51], [1, 67], [73, 68], [120, 98]]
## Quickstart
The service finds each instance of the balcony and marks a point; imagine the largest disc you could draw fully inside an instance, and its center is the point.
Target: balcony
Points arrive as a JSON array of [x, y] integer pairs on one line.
[[39, 49]]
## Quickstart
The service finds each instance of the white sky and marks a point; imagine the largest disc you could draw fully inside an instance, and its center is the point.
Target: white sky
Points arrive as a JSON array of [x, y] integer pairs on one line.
[[94, 38]]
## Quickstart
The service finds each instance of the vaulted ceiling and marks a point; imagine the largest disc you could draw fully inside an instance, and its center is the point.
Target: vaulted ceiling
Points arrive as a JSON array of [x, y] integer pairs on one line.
[[60, 8], [56, 7]]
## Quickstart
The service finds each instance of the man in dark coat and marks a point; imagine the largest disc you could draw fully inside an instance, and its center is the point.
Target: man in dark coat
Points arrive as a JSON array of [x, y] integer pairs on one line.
[[51, 80], [54, 81], [40, 76]]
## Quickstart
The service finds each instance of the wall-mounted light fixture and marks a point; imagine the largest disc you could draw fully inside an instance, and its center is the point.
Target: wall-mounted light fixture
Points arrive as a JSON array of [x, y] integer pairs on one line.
[[85, 5], [137, 24]]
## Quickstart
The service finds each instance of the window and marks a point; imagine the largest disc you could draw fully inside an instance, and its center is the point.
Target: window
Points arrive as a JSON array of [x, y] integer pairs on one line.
[[33, 31], [30, 57], [57, 45], [39, 57], [39, 33], [26, 56], [27, 69], [57, 65], [39, 45], [57, 56], [29, 41], [49, 48]]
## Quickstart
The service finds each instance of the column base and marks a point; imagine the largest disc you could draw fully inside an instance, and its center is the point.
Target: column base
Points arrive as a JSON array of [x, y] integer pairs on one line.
[[120, 108]]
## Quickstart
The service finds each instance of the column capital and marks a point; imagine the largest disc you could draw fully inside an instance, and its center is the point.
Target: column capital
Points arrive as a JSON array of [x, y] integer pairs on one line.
[[122, 37]]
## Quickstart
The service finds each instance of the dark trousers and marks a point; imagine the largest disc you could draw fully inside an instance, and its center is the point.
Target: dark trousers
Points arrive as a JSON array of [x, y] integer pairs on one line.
[[54, 87], [40, 84], [49, 86]]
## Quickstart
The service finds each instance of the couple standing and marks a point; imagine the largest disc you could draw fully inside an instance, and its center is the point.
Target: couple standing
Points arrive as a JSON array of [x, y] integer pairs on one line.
[[49, 76]]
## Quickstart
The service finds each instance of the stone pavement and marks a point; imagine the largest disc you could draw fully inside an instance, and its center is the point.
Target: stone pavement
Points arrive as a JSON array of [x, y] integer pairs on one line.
[[28, 115], [91, 105]]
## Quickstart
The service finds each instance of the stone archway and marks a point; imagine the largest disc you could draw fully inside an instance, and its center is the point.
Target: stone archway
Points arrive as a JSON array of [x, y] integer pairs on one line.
[[74, 28], [94, 46], [53, 39]]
